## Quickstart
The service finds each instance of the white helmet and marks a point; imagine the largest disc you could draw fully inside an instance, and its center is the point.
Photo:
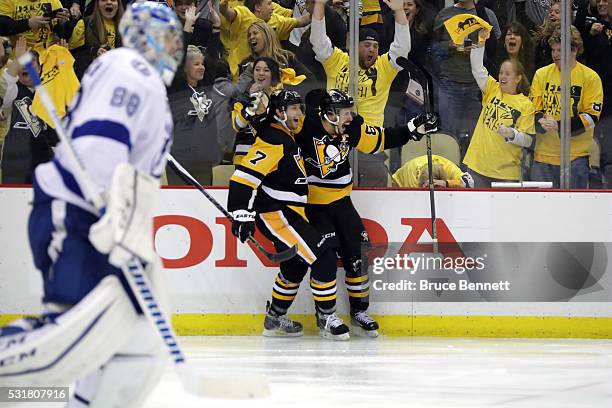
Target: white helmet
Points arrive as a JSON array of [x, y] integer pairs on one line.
[[154, 31]]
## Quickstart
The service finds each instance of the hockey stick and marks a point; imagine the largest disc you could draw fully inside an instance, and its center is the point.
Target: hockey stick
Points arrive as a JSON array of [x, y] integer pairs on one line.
[[423, 78], [233, 388], [188, 178]]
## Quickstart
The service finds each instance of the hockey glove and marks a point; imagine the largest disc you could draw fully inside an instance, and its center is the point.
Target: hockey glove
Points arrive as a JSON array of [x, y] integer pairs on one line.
[[250, 110], [243, 225], [422, 124], [467, 179], [353, 129]]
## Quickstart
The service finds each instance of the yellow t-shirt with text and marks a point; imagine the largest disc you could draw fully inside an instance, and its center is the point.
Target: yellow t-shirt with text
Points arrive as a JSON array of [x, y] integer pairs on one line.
[[586, 95], [488, 153], [374, 84], [24, 10]]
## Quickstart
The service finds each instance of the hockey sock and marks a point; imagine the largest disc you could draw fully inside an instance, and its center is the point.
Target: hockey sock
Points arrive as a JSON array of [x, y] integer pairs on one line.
[[283, 294], [357, 285], [324, 294]]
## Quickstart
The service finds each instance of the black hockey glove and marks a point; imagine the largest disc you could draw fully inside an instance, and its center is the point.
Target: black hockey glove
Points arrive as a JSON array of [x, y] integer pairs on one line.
[[249, 111], [243, 225], [353, 129], [422, 125]]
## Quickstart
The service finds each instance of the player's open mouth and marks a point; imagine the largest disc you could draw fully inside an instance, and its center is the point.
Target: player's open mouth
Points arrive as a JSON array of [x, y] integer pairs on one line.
[[109, 9], [254, 44]]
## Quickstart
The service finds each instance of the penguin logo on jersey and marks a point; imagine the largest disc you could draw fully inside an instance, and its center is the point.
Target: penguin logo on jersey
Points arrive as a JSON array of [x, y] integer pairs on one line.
[[300, 163], [328, 156], [30, 120], [201, 105]]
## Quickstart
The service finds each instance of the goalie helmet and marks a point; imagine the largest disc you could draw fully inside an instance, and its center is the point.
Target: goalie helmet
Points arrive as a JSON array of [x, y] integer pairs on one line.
[[155, 32]]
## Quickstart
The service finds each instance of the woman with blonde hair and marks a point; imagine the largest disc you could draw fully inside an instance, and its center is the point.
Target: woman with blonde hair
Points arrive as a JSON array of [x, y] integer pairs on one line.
[[92, 36], [196, 145], [263, 42]]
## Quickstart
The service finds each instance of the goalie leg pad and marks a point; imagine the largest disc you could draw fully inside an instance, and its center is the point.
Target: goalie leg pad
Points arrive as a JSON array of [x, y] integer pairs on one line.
[[73, 344], [127, 379]]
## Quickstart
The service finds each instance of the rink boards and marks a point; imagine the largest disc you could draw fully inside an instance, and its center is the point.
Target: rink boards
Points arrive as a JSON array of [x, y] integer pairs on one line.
[[219, 286]]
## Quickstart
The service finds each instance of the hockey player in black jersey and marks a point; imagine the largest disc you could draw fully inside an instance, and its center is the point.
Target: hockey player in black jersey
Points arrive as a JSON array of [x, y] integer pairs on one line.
[[273, 167], [329, 133]]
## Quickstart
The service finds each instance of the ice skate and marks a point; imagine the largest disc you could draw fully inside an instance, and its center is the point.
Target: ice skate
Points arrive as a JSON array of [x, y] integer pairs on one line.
[[332, 327], [363, 325], [280, 326]]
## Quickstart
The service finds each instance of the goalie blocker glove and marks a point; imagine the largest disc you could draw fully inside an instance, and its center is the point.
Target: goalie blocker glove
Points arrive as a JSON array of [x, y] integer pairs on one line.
[[422, 125], [243, 225]]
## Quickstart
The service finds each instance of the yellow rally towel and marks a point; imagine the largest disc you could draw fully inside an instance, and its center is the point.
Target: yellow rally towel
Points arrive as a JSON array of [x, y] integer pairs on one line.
[[462, 25], [60, 80], [288, 77]]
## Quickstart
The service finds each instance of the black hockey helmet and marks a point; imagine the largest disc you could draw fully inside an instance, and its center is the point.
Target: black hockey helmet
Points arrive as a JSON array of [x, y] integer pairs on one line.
[[281, 98], [335, 99]]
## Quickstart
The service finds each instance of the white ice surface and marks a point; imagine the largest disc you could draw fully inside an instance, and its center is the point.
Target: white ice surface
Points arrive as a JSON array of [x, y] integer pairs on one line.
[[403, 372]]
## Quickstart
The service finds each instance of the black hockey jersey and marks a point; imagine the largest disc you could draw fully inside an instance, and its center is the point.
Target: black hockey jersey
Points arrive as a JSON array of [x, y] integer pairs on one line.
[[28, 141], [330, 176], [274, 167]]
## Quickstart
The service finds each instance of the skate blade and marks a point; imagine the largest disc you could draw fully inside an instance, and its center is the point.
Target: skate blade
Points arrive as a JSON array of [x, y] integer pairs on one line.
[[337, 337], [280, 333], [361, 332]]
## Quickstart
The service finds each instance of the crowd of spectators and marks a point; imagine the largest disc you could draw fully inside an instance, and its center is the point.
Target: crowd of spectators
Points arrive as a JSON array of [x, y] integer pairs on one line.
[[497, 95]]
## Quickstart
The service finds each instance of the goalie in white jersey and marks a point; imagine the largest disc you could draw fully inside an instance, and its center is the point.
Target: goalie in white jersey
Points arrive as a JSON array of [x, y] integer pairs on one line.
[[91, 329]]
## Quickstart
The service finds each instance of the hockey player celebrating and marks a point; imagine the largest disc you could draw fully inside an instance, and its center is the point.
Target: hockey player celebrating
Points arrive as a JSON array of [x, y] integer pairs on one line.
[[329, 133], [273, 167], [92, 329]]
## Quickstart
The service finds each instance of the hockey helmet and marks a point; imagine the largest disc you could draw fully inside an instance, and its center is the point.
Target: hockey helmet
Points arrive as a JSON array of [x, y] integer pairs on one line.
[[154, 30], [280, 100], [330, 104], [335, 99]]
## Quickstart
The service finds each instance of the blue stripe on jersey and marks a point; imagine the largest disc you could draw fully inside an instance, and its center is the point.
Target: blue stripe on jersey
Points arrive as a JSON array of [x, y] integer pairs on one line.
[[68, 179], [104, 128]]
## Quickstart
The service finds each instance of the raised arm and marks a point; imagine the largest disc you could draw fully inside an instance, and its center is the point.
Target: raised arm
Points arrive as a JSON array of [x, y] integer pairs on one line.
[[226, 11], [303, 21], [401, 45], [479, 71], [321, 44]]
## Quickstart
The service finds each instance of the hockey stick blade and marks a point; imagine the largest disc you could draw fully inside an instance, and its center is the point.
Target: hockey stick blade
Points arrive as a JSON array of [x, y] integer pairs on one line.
[[188, 178], [275, 257]]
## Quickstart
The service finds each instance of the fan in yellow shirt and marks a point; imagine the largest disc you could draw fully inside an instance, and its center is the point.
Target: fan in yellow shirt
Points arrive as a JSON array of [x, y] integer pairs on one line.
[[586, 95], [237, 19], [95, 34], [376, 73], [36, 20], [415, 174], [57, 74], [505, 125]]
